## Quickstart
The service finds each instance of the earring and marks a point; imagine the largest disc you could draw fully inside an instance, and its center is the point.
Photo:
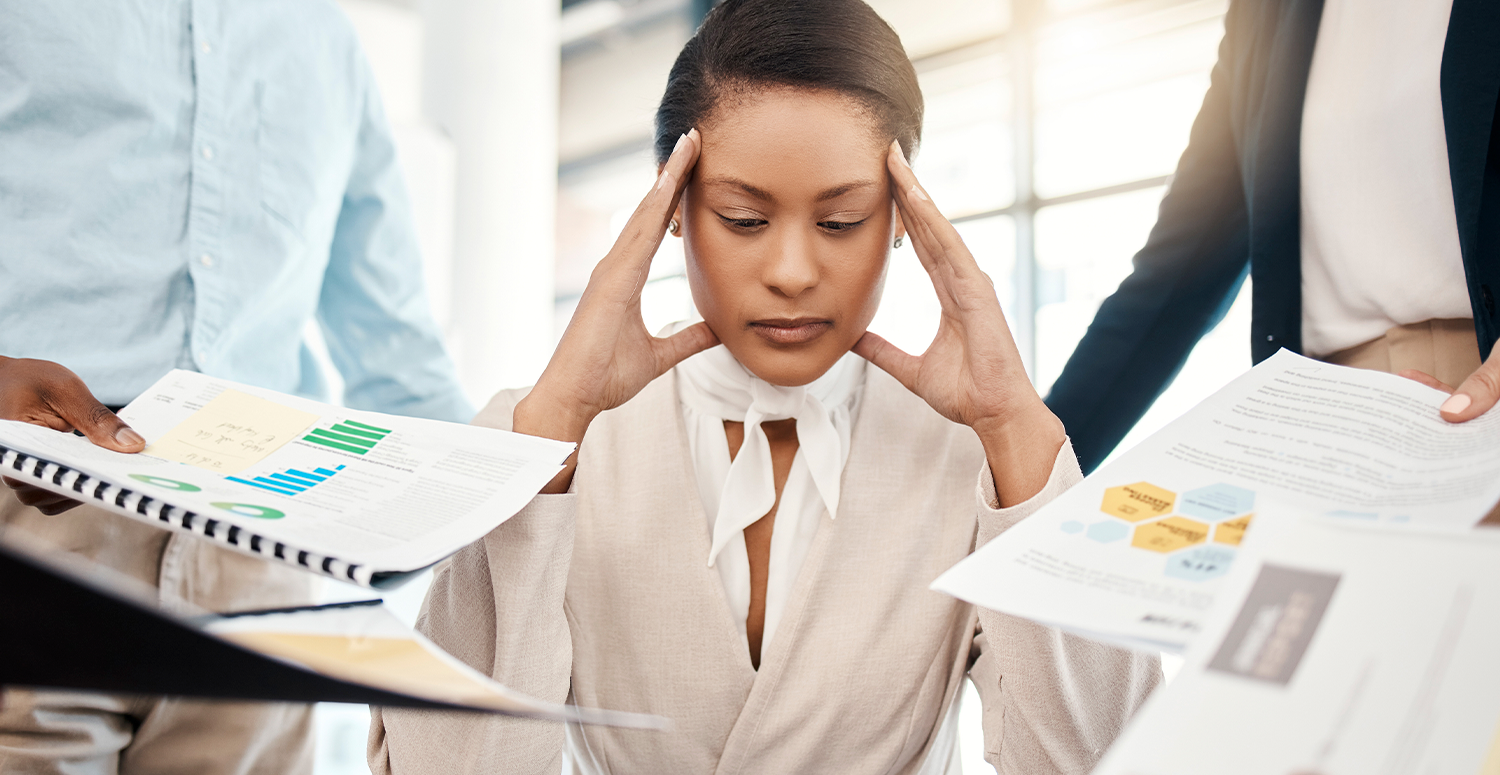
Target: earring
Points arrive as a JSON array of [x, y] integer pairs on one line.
[[901, 240], [674, 227]]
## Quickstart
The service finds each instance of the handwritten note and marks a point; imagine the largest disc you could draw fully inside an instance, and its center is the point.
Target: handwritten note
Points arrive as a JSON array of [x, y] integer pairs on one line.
[[231, 433]]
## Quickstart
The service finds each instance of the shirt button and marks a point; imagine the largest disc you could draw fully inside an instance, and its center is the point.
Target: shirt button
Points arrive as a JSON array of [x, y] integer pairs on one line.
[[206, 260], [208, 153], [1270, 338], [205, 48]]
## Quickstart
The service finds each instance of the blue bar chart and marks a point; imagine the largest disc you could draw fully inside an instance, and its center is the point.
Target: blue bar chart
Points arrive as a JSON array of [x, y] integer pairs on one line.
[[290, 481]]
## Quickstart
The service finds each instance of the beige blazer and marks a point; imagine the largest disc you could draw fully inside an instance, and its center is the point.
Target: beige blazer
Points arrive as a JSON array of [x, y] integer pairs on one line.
[[603, 597]]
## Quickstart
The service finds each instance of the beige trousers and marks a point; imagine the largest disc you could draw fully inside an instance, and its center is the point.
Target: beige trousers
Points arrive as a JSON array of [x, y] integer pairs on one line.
[[83, 733], [1446, 349]]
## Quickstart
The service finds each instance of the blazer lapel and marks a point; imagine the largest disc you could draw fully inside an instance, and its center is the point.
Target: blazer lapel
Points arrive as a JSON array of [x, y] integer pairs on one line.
[[1273, 145], [1470, 86]]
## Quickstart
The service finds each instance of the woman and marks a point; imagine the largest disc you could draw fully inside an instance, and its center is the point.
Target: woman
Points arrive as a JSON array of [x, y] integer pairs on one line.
[[744, 539]]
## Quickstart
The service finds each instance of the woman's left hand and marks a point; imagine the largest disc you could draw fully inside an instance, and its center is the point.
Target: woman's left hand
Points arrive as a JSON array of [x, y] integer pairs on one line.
[[972, 372]]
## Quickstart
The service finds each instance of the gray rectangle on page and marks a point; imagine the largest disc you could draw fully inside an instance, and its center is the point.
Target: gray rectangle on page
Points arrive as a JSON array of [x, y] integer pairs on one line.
[[1276, 624]]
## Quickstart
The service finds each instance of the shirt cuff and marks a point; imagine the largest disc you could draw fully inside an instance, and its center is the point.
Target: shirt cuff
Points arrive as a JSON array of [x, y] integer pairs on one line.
[[994, 520]]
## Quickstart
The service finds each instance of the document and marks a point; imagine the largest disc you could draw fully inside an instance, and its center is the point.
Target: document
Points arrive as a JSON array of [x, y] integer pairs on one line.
[[360, 496], [91, 628], [365, 644], [1336, 649], [1135, 554]]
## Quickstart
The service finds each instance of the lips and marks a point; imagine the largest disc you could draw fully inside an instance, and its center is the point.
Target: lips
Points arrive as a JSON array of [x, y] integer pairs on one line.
[[790, 331]]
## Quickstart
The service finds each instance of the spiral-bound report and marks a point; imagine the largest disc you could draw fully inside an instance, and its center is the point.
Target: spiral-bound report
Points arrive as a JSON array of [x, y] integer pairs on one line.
[[362, 497]]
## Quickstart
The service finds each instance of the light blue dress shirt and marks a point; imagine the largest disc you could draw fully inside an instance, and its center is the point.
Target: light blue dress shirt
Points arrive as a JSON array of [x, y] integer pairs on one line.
[[188, 183]]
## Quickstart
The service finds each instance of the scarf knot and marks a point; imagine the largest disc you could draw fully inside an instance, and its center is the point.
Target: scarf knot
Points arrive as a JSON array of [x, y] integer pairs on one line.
[[714, 387]]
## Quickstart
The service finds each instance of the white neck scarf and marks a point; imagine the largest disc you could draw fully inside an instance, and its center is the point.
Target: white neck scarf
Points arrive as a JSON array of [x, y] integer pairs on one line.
[[718, 388], [714, 387]]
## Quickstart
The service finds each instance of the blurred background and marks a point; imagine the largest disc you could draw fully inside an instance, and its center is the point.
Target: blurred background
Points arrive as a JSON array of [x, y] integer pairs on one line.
[[524, 127]]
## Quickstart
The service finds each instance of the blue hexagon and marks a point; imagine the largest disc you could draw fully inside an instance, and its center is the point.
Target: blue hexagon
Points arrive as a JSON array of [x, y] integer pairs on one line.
[[1108, 532], [1200, 564], [1217, 502], [1072, 526]]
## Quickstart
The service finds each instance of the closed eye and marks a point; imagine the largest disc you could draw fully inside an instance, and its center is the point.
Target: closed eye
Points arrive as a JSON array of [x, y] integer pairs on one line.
[[841, 225], [746, 224]]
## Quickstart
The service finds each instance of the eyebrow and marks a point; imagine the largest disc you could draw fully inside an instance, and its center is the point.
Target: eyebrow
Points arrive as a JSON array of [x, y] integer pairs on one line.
[[765, 196]]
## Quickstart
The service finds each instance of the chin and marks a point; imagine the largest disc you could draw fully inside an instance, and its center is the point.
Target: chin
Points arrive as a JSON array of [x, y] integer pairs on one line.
[[786, 367]]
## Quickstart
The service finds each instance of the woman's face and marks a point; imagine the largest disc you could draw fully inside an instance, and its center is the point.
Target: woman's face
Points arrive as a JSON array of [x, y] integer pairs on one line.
[[788, 222]]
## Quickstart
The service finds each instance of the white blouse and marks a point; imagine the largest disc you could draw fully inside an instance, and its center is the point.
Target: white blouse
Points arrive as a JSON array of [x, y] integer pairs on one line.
[[713, 387], [1379, 235]]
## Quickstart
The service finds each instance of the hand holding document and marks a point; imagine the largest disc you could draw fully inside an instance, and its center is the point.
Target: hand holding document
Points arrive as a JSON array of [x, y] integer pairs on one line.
[[360, 496], [1338, 649], [1135, 554]]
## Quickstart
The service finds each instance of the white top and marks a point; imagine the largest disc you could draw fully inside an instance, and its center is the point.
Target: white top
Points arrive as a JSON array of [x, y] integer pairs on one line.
[[1379, 237], [714, 387]]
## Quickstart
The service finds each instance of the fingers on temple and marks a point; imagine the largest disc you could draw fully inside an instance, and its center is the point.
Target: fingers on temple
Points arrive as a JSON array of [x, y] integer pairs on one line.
[[889, 358], [1477, 395], [649, 222], [935, 239]]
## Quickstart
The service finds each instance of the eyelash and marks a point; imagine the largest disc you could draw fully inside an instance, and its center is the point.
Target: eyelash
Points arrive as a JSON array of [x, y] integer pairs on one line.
[[754, 223]]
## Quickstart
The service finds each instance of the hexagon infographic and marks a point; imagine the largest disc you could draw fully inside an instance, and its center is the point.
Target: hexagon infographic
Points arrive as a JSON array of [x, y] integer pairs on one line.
[[1170, 534], [1135, 502], [1108, 532], [1217, 502], [1233, 531], [1072, 526], [1200, 564]]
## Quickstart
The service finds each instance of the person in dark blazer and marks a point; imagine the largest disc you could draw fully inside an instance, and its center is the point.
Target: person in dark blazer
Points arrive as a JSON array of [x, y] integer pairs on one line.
[[1347, 157]]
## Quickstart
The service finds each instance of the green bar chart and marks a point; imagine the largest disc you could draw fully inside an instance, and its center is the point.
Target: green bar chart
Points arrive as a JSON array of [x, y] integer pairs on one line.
[[348, 436]]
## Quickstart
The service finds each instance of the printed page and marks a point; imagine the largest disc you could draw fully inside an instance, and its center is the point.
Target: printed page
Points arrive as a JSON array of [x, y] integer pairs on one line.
[[366, 644], [1135, 553], [393, 493], [1339, 650]]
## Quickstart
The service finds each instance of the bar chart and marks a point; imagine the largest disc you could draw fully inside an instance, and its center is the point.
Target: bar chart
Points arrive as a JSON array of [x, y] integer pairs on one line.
[[348, 436], [290, 481]]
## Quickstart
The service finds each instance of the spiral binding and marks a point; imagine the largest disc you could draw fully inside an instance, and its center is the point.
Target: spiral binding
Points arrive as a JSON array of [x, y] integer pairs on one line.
[[144, 507]]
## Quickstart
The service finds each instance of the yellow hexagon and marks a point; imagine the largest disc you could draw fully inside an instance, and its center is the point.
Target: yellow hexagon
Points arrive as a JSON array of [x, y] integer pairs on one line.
[[1135, 502], [1170, 534], [1233, 531]]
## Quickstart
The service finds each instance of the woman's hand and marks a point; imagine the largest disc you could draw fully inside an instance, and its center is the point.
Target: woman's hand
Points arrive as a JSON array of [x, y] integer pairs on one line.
[[606, 355], [1477, 395], [972, 372]]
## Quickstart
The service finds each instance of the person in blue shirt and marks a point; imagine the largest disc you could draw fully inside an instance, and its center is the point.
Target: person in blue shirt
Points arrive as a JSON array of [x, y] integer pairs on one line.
[[190, 184]]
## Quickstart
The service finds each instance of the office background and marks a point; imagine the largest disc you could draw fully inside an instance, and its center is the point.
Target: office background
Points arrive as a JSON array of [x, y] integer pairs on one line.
[[1052, 130]]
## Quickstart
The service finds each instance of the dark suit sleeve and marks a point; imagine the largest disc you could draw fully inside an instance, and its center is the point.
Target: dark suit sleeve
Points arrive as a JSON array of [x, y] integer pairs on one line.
[[1184, 279]]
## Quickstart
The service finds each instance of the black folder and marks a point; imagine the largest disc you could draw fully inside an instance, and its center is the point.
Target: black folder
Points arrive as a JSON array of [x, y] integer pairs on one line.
[[63, 631], [70, 625]]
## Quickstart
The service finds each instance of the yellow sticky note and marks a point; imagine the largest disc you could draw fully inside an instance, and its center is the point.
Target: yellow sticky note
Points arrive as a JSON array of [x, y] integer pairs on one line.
[[231, 433]]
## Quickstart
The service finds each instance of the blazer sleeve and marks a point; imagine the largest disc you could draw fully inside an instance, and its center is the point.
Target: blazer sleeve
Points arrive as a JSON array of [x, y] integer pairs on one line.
[[498, 606], [1184, 280], [1052, 702]]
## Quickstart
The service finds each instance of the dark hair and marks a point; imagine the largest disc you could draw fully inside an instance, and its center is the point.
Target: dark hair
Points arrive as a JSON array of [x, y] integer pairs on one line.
[[841, 46]]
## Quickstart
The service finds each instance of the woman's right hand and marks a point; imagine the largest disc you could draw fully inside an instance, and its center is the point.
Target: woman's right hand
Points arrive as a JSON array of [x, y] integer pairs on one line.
[[606, 355]]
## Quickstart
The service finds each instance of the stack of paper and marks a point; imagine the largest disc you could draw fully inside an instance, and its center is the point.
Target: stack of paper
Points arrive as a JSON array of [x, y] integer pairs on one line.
[[1136, 554], [1337, 650]]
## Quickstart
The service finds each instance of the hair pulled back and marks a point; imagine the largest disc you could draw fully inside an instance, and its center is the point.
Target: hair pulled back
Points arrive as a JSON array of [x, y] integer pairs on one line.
[[841, 46]]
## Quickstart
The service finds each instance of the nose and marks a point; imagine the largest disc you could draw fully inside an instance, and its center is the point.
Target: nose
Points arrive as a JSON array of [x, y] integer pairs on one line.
[[793, 268]]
